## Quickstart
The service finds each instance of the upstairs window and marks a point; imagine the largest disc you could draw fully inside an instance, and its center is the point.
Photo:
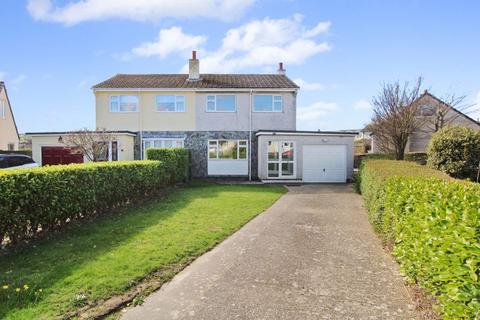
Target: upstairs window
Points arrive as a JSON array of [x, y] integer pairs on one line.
[[267, 103], [428, 110], [166, 103], [124, 103], [221, 103]]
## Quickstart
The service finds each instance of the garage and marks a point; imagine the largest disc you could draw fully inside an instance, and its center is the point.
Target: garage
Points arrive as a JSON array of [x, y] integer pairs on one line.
[[60, 155], [324, 163], [305, 156]]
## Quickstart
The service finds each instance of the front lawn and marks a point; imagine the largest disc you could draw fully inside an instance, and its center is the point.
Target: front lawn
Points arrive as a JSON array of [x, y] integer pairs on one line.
[[105, 257]]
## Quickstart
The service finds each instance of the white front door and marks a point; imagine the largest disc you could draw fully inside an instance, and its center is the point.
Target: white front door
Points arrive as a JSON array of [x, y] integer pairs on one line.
[[281, 160], [325, 163]]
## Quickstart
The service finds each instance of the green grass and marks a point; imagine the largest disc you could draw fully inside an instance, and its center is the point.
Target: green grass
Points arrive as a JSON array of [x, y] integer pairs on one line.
[[104, 257]]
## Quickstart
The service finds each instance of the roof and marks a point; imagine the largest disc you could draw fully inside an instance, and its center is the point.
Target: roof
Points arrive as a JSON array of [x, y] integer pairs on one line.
[[207, 81], [57, 133], [305, 133], [426, 93]]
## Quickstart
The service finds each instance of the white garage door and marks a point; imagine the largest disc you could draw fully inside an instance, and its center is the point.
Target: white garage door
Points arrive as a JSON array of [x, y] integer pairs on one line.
[[325, 163]]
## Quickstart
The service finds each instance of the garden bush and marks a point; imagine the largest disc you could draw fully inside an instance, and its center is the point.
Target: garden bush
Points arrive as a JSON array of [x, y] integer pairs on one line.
[[455, 151], [48, 197], [433, 223], [418, 157], [176, 159]]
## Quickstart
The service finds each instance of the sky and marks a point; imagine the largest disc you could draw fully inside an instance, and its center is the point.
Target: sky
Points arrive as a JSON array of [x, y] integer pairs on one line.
[[340, 52]]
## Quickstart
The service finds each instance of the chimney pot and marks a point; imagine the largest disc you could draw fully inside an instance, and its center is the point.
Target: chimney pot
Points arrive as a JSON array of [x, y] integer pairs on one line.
[[194, 54], [281, 70]]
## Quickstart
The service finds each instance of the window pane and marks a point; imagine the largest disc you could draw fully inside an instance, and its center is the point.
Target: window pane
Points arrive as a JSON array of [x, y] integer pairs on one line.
[[210, 106], [277, 106], [128, 103], [262, 103], [272, 150], [178, 144], [114, 104], [226, 103], [273, 170], [212, 150], [227, 149], [168, 143], [287, 169], [180, 103], [242, 142], [157, 144], [287, 151], [114, 151], [242, 152], [166, 103]]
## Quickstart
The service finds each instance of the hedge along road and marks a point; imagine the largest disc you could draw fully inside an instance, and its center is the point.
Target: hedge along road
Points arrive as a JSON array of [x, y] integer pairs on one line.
[[104, 257], [312, 255]]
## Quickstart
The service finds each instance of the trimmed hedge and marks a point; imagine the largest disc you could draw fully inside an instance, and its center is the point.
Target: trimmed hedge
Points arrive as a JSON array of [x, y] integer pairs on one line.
[[455, 151], [48, 197], [433, 223], [418, 157], [176, 159]]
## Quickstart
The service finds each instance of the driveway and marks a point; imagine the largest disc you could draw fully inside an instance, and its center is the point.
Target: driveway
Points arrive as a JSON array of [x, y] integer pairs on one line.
[[312, 255]]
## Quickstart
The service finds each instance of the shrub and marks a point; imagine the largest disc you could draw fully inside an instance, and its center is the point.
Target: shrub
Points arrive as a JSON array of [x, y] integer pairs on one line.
[[455, 151], [176, 159], [418, 157], [433, 222], [48, 197]]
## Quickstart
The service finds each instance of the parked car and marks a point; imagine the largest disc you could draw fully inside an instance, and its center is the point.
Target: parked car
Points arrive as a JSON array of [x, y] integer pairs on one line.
[[15, 161]]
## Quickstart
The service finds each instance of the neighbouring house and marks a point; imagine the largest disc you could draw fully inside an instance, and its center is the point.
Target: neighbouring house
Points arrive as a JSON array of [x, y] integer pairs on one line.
[[9, 138], [429, 106], [235, 125]]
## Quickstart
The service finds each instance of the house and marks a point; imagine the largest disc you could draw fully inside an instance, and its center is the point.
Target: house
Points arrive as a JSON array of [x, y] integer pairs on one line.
[[429, 106], [235, 125], [9, 138], [436, 114]]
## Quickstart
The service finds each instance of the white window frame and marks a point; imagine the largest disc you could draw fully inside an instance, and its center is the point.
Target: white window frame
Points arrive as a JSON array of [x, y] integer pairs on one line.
[[118, 101], [238, 149], [273, 103], [215, 102], [162, 143], [176, 97], [280, 161]]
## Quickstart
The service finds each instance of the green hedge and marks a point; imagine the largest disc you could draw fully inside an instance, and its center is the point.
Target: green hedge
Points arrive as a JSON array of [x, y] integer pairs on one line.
[[433, 222], [418, 157], [177, 160], [47, 197]]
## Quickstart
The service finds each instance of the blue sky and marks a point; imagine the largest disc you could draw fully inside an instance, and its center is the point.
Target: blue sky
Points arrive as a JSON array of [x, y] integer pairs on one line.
[[339, 51]]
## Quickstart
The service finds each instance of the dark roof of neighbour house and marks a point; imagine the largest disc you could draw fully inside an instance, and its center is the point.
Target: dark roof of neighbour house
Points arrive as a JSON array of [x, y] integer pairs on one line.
[[4, 88], [207, 81], [296, 132], [53, 133]]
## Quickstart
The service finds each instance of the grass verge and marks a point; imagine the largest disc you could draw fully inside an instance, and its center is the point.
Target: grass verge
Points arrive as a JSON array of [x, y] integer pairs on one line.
[[105, 257]]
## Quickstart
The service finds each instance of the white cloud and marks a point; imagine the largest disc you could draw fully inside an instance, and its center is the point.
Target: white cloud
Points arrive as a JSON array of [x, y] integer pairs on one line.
[[19, 79], [261, 43], [304, 85], [169, 41], [74, 12], [313, 117], [362, 105]]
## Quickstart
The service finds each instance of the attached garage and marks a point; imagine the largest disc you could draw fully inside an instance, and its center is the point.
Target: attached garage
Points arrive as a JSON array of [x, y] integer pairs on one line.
[[60, 155], [304, 156]]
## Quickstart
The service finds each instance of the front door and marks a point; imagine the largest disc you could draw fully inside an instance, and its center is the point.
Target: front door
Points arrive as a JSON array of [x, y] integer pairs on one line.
[[281, 160]]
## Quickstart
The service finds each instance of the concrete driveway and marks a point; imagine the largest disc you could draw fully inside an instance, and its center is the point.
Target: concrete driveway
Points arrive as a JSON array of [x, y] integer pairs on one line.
[[312, 255]]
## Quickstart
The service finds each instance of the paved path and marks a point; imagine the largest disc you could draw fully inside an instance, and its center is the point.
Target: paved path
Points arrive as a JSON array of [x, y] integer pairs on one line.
[[312, 255]]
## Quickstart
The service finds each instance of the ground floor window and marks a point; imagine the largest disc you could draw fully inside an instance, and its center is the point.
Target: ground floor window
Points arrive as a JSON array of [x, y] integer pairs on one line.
[[11, 146], [106, 151], [161, 143], [227, 149], [281, 159]]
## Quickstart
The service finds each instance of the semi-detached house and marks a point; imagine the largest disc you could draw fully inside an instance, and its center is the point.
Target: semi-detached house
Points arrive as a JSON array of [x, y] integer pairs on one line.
[[235, 125]]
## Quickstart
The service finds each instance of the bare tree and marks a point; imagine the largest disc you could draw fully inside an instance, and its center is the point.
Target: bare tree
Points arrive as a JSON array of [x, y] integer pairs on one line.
[[92, 144], [447, 111], [395, 116]]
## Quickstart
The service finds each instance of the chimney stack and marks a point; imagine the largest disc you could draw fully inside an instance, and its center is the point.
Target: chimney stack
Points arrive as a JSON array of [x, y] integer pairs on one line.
[[281, 70], [194, 67]]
